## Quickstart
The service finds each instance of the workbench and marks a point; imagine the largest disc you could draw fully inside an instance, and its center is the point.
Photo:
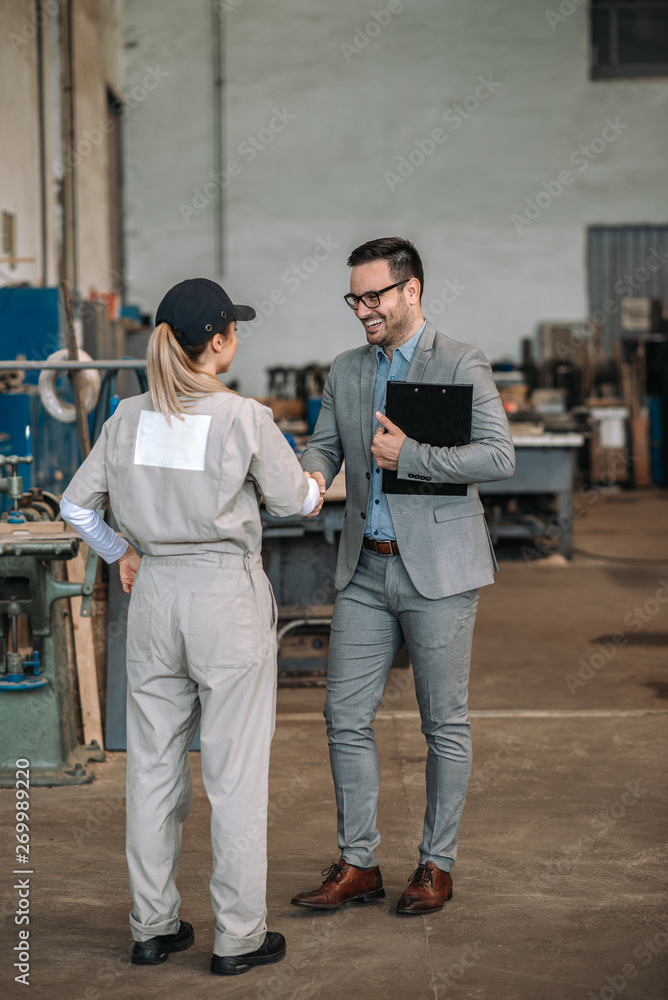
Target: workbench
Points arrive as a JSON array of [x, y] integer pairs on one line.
[[544, 463]]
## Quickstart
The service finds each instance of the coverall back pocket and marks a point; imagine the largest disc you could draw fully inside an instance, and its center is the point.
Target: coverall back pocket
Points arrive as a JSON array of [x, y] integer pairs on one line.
[[219, 630]]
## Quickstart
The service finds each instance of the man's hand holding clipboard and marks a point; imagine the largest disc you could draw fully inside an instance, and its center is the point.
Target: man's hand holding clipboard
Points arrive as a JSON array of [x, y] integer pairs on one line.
[[387, 442]]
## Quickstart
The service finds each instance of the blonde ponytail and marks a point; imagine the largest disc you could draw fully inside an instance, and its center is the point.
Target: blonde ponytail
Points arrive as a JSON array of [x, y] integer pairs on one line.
[[173, 373]]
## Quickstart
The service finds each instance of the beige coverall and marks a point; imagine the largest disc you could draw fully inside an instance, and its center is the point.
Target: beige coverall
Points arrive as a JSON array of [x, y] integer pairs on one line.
[[201, 642]]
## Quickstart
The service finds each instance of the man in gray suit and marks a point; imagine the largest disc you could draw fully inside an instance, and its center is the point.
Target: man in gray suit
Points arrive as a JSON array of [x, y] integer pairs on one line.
[[409, 568]]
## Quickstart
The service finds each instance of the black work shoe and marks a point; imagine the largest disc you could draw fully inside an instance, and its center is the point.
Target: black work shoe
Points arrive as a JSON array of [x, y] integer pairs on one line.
[[273, 950], [158, 949]]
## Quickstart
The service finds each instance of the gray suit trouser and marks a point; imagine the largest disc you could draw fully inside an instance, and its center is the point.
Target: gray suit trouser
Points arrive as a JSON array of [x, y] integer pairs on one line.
[[373, 615]]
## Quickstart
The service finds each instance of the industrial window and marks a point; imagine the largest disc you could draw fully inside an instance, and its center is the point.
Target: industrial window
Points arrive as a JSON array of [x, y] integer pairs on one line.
[[629, 38]]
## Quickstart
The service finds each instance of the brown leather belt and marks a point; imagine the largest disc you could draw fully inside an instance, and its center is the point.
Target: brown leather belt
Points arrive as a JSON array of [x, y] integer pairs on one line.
[[382, 548]]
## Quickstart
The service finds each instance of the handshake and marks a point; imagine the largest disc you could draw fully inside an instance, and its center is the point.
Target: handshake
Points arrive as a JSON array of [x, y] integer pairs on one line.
[[320, 480]]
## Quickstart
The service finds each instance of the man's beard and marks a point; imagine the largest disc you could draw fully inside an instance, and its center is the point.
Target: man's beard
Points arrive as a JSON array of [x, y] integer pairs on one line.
[[397, 326]]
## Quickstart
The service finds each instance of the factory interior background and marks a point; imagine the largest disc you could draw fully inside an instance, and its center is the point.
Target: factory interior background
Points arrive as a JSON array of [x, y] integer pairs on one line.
[[522, 147]]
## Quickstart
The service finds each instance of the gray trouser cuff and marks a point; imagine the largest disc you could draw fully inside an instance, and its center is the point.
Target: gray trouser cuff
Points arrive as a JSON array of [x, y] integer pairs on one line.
[[227, 946], [140, 932]]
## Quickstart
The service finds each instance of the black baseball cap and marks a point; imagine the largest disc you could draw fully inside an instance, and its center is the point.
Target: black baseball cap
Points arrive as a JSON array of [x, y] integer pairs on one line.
[[197, 308]]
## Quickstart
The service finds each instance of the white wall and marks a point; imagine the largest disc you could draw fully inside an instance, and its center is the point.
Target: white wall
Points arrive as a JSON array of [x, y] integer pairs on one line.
[[323, 175], [97, 51], [19, 191]]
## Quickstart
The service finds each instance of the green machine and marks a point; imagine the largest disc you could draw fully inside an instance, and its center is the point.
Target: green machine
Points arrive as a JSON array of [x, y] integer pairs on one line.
[[36, 704]]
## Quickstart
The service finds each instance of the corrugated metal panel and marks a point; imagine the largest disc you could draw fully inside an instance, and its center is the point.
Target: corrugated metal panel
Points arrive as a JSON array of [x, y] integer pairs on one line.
[[624, 262]]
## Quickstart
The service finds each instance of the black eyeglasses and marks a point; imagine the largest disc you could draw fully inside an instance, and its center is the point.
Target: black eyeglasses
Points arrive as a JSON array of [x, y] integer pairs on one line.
[[371, 299]]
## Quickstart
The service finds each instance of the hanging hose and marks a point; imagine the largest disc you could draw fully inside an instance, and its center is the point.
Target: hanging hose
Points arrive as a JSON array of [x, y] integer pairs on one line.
[[59, 408]]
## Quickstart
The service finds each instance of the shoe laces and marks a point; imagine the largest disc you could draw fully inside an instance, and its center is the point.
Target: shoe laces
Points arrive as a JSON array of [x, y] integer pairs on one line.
[[333, 873], [422, 876]]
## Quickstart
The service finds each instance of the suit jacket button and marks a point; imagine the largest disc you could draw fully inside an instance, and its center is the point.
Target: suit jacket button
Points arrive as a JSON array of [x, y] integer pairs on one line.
[[368, 475], [363, 516]]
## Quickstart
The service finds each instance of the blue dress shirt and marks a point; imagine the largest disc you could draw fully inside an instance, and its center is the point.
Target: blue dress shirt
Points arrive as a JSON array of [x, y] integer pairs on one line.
[[378, 518]]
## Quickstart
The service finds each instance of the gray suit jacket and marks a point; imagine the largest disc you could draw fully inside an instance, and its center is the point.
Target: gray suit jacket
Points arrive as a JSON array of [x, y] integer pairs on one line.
[[443, 541]]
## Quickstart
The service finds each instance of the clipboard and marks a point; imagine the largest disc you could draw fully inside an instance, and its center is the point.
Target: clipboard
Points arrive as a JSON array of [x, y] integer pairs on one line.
[[434, 414]]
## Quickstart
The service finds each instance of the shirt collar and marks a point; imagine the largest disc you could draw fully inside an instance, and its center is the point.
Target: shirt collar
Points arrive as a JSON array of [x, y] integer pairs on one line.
[[407, 349]]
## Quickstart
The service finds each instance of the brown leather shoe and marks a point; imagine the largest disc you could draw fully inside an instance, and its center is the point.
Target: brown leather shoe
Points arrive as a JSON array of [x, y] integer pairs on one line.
[[343, 884], [428, 889]]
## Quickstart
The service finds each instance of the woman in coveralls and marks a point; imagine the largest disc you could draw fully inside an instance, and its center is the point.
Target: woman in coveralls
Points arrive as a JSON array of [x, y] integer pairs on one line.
[[183, 467]]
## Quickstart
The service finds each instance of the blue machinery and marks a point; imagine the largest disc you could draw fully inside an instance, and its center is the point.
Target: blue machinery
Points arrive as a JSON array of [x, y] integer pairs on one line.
[[36, 707], [36, 699], [36, 704]]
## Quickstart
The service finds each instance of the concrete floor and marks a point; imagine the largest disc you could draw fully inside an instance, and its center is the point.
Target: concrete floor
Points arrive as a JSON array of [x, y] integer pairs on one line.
[[559, 888]]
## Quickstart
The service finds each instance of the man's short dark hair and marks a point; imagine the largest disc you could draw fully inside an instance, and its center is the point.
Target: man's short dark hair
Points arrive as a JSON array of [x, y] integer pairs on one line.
[[404, 260]]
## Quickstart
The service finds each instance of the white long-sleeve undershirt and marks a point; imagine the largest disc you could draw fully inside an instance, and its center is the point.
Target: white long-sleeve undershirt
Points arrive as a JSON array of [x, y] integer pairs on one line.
[[110, 546], [94, 531]]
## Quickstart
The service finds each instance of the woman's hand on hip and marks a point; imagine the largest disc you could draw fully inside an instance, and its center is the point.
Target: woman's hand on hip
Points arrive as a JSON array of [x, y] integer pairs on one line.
[[128, 565]]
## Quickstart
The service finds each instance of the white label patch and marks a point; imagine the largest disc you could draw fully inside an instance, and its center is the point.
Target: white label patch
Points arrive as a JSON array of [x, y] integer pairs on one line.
[[181, 446]]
